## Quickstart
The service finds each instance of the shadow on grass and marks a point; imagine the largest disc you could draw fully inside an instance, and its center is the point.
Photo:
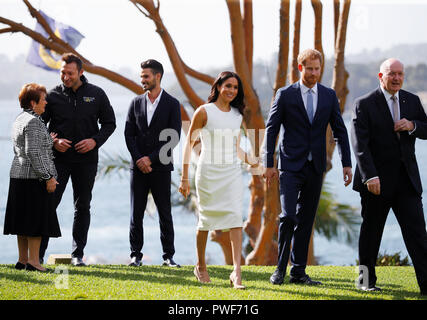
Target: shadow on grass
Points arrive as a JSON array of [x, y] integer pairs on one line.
[[22, 276], [335, 287]]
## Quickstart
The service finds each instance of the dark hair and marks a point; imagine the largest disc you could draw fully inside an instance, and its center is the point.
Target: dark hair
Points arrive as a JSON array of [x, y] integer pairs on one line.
[[154, 65], [30, 92], [238, 102], [70, 58]]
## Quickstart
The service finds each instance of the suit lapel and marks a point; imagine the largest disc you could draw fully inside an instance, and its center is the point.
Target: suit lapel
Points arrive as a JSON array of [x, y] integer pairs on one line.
[[300, 102], [383, 107], [403, 105], [158, 108], [144, 109], [320, 98]]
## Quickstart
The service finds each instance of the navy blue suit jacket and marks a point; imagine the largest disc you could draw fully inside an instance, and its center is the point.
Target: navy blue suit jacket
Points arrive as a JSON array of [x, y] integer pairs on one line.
[[148, 140], [299, 136], [378, 151]]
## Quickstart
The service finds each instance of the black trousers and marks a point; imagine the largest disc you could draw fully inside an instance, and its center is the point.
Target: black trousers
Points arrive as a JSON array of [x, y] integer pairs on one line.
[[159, 183], [82, 179], [408, 209], [299, 197]]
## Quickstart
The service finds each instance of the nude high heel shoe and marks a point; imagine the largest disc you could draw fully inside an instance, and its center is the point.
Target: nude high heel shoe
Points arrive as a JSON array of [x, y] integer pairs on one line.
[[201, 276], [233, 282]]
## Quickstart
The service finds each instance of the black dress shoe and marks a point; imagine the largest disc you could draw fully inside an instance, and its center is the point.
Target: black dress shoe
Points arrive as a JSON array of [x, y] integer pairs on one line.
[[135, 262], [171, 263], [19, 266], [277, 277], [305, 279], [30, 267], [77, 262]]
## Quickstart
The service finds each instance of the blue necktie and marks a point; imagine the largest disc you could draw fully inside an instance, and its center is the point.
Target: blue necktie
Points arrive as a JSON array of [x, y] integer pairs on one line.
[[310, 114], [310, 106]]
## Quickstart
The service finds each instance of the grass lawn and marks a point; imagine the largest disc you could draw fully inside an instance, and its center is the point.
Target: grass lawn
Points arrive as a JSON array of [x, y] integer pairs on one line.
[[149, 282]]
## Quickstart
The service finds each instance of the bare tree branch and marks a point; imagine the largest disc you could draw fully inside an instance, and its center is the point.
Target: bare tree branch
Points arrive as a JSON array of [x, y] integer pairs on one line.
[[56, 46], [6, 30], [157, 20], [172, 51]]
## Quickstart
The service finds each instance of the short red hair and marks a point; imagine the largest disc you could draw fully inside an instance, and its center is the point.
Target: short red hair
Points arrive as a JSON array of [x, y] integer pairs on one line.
[[30, 92]]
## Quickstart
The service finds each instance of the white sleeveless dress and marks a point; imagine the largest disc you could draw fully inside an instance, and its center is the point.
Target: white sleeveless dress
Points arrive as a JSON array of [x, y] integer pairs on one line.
[[219, 184]]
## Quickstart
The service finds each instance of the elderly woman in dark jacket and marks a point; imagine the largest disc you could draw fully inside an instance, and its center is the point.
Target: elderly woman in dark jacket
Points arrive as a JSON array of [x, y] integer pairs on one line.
[[30, 211]]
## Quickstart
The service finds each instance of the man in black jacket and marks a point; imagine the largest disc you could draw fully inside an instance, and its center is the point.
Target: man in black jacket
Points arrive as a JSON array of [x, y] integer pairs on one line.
[[152, 130], [385, 125], [73, 111]]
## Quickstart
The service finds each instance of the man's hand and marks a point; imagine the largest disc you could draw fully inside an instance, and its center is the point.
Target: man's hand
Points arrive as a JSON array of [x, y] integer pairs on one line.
[[348, 175], [85, 145], [270, 174], [144, 164], [374, 186], [404, 125], [61, 145]]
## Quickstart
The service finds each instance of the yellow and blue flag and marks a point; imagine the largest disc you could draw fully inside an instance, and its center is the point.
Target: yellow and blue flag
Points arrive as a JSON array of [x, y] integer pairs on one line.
[[47, 59]]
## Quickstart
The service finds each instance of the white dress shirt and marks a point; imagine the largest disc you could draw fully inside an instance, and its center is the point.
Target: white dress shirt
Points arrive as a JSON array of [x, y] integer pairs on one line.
[[151, 107]]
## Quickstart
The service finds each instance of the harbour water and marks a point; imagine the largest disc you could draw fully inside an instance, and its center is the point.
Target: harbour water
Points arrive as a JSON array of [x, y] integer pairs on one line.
[[108, 241]]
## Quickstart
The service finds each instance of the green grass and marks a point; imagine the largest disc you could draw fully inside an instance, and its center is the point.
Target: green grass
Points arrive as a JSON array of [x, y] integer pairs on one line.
[[108, 282]]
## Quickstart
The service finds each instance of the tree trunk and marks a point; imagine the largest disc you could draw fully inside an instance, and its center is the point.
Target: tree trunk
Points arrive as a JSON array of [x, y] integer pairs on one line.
[[340, 75], [294, 74], [318, 12]]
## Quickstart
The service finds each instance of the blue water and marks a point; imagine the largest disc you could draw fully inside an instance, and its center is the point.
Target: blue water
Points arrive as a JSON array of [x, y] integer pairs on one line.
[[108, 240]]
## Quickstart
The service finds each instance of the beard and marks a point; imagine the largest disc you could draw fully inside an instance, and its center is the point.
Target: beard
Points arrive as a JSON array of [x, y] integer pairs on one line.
[[148, 86]]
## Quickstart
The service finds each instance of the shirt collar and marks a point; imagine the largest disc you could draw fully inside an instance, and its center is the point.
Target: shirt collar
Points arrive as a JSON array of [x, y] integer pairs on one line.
[[388, 95], [305, 89], [157, 99]]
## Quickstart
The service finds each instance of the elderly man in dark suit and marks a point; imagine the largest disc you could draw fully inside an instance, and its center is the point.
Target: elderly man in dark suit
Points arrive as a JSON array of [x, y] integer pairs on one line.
[[385, 125], [304, 110], [152, 130]]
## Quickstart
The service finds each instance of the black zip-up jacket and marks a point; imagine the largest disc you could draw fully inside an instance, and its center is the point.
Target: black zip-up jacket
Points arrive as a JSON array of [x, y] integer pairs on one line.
[[75, 116]]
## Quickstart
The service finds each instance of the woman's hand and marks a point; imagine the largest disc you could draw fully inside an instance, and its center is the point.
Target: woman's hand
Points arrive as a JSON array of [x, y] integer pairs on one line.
[[184, 188], [51, 185], [53, 135], [256, 169]]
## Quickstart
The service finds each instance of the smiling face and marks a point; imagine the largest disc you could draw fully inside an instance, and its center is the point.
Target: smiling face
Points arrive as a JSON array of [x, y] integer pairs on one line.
[[149, 79], [310, 72], [392, 75], [228, 90], [70, 75]]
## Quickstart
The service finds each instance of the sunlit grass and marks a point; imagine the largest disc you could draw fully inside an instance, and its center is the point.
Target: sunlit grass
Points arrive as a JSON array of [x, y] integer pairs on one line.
[[111, 282]]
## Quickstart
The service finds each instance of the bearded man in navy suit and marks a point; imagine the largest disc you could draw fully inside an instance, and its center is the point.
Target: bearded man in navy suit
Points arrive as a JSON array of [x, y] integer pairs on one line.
[[385, 125], [152, 130], [304, 110]]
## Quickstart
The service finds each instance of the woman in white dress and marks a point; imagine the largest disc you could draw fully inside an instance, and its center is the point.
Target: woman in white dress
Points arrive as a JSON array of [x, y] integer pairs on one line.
[[218, 177]]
